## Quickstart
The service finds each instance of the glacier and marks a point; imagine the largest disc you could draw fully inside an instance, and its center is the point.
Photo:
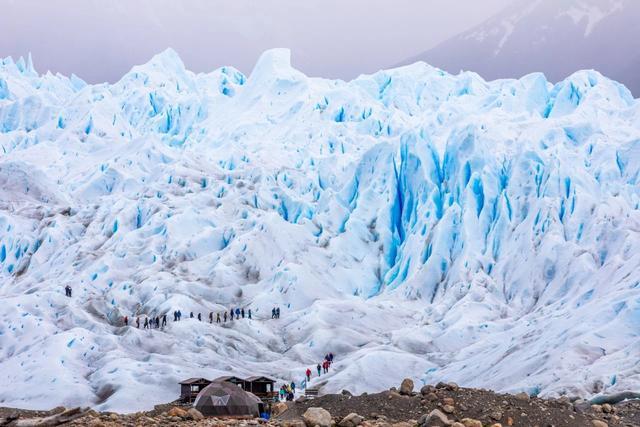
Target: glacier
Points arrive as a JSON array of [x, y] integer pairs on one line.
[[413, 222]]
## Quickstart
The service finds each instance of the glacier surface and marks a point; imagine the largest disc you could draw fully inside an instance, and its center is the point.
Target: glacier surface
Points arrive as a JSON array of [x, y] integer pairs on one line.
[[413, 222]]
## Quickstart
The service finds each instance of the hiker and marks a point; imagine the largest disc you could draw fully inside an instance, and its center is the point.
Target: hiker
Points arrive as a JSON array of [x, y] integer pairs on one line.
[[231, 313], [225, 317], [249, 313], [199, 317], [138, 322], [319, 368], [331, 357], [278, 313], [164, 320], [175, 316], [179, 315], [282, 392], [211, 317], [308, 374], [146, 323], [218, 318], [293, 386], [290, 397], [157, 322], [191, 315], [273, 313], [126, 321], [237, 313], [242, 313]]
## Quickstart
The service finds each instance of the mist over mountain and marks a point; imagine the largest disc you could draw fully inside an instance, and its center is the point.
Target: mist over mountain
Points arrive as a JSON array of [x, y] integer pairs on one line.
[[556, 37]]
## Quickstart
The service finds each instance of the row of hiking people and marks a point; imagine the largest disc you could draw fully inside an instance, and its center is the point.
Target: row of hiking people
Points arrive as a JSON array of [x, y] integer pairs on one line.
[[237, 313], [149, 322], [323, 368], [157, 322], [287, 392]]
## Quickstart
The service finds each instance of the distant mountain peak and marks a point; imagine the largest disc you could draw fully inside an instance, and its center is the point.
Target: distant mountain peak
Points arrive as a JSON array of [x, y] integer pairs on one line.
[[554, 37]]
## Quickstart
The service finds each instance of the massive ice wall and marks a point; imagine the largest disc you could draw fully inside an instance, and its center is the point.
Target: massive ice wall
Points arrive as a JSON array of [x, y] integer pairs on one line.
[[414, 222]]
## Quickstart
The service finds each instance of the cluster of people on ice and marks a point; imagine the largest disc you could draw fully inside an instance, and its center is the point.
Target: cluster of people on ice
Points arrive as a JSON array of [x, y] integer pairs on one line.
[[323, 368], [287, 392], [149, 322], [67, 291], [158, 322], [275, 313]]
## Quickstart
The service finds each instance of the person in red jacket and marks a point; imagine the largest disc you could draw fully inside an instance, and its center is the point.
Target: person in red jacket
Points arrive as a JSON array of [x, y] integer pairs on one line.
[[308, 374], [126, 321]]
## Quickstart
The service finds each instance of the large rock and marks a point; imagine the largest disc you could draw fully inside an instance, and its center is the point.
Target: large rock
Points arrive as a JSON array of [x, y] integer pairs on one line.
[[427, 389], [598, 423], [195, 415], [435, 418], [278, 408], [177, 412], [317, 417], [351, 420], [470, 422], [406, 387]]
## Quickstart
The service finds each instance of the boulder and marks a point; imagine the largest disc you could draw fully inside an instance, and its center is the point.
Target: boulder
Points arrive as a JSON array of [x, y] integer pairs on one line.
[[346, 393], [598, 423], [522, 396], [426, 389], [351, 420], [470, 422], [496, 415], [317, 417], [607, 408], [195, 415], [278, 408], [406, 388], [177, 412], [435, 418]]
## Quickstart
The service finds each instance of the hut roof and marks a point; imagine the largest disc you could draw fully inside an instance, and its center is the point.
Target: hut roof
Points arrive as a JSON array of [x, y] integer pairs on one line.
[[195, 381], [260, 378], [228, 378]]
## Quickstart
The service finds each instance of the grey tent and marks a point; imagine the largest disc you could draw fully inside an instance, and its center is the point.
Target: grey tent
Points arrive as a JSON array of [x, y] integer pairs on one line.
[[224, 398]]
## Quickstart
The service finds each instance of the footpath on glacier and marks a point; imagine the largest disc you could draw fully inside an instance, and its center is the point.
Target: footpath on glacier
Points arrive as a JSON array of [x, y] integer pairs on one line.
[[417, 223]]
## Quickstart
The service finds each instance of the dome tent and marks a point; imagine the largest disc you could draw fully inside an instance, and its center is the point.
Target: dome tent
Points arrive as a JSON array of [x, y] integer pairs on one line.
[[224, 398]]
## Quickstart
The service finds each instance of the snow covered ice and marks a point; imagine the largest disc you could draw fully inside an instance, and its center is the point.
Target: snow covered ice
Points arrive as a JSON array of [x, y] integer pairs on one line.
[[413, 222]]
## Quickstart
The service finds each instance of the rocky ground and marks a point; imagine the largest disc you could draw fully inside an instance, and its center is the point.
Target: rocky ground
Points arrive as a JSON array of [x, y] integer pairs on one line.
[[439, 405]]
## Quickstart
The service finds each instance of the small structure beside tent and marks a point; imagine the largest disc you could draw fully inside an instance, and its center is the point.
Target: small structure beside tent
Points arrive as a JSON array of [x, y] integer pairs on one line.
[[223, 398], [263, 387], [190, 388], [232, 379]]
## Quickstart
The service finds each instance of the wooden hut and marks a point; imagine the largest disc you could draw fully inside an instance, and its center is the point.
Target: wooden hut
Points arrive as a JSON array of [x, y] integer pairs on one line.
[[190, 388], [233, 380], [263, 387]]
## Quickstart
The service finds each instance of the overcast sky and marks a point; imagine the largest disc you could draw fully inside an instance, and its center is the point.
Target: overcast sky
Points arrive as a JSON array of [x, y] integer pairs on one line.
[[101, 40]]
